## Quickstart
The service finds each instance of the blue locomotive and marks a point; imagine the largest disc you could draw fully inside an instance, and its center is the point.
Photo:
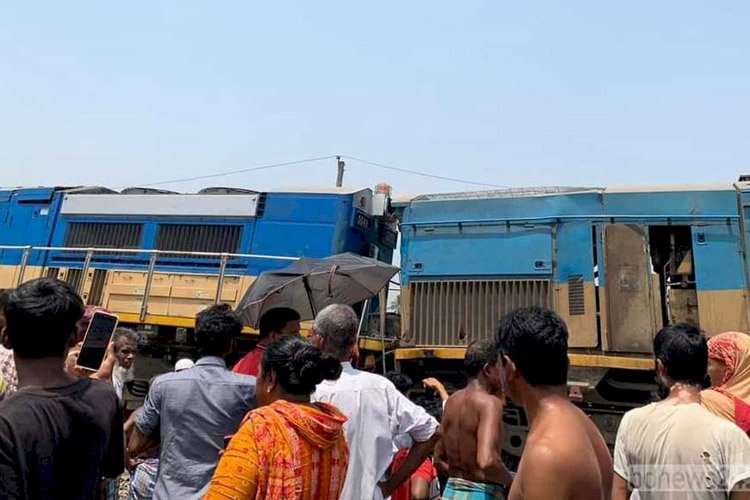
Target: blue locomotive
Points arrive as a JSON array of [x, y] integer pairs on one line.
[[155, 258]]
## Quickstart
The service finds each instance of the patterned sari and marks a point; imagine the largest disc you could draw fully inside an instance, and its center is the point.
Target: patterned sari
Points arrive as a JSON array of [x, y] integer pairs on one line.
[[731, 398], [290, 451]]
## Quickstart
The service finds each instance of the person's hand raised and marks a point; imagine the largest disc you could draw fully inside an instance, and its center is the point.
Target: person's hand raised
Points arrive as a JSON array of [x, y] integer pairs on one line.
[[105, 369], [108, 365], [437, 386], [72, 360]]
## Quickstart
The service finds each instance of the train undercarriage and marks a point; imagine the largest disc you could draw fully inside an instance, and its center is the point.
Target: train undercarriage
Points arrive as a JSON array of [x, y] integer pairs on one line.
[[604, 394]]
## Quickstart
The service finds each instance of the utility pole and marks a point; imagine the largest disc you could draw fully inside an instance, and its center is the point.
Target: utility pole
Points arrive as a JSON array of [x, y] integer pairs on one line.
[[340, 171]]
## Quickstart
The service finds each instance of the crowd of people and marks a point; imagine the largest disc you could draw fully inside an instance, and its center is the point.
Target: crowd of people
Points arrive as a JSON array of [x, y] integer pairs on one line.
[[295, 419]]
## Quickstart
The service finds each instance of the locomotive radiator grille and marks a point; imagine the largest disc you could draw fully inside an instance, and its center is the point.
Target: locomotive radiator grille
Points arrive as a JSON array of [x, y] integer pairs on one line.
[[455, 313], [199, 238], [103, 235]]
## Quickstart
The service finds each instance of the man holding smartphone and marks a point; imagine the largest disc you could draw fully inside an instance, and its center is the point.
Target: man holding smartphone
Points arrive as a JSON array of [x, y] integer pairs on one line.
[[58, 435], [107, 366]]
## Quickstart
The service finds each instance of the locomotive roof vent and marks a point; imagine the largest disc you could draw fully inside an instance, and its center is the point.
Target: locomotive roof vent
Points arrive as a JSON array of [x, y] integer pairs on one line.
[[87, 190], [226, 190], [141, 190]]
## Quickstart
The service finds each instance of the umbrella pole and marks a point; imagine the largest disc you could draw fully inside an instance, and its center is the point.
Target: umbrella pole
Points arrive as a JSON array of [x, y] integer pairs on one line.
[[309, 296], [365, 308], [383, 317]]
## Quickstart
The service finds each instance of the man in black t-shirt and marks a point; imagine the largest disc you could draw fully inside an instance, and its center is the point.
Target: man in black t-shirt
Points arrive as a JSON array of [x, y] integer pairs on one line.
[[58, 435]]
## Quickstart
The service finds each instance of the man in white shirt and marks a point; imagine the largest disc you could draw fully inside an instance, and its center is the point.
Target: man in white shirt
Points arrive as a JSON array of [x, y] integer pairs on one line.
[[676, 449], [377, 412]]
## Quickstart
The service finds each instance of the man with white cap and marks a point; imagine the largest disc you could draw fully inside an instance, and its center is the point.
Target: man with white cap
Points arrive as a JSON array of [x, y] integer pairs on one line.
[[183, 364]]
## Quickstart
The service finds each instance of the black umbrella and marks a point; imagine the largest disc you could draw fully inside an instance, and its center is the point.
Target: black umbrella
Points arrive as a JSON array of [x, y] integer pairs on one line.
[[309, 285]]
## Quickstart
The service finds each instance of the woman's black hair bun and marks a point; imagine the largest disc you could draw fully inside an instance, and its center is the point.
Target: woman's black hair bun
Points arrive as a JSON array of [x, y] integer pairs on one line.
[[308, 365], [299, 365]]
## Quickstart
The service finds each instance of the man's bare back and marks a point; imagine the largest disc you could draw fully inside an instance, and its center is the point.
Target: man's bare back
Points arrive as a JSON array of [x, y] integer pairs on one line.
[[565, 457], [471, 436]]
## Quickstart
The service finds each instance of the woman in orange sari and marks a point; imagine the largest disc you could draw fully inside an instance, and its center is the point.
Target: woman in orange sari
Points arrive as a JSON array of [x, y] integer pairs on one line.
[[288, 448], [729, 371]]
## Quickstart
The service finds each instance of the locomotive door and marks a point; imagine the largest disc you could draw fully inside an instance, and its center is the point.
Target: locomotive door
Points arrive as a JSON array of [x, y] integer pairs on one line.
[[631, 303]]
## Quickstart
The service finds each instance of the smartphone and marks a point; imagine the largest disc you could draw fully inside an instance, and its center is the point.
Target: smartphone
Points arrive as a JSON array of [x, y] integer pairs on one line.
[[96, 340]]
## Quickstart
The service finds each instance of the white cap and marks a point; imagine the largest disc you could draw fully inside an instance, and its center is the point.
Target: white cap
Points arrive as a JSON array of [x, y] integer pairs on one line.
[[183, 364]]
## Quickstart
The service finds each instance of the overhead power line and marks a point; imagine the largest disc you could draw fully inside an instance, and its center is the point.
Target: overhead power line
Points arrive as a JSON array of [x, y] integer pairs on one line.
[[320, 158], [423, 174], [240, 171]]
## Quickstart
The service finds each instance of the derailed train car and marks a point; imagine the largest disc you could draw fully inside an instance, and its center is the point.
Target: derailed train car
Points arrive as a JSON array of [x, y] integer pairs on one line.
[[156, 258], [617, 264]]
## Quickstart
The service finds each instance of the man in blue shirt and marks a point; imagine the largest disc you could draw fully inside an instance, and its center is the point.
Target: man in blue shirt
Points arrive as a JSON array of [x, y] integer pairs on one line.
[[194, 410]]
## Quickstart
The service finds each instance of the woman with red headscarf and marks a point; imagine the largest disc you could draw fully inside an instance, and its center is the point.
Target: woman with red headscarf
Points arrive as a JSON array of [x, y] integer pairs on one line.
[[729, 371]]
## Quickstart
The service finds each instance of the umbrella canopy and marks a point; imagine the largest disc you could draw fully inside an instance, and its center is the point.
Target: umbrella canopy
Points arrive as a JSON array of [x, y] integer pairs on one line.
[[309, 285]]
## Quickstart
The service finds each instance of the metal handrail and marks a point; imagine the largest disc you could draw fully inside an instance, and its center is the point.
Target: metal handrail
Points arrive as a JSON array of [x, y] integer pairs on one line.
[[556, 218], [148, 251], [153, 255]]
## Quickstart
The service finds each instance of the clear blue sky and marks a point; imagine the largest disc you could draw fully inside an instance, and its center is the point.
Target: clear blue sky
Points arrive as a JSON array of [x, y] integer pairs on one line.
[[513, 93]]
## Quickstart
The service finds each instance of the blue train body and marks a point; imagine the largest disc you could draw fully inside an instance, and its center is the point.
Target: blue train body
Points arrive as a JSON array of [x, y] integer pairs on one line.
[[616, 263], [257, 231]]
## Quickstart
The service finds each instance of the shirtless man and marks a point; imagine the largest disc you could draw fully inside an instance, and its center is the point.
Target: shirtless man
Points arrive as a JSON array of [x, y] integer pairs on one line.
[[471, 441], [565, 456]]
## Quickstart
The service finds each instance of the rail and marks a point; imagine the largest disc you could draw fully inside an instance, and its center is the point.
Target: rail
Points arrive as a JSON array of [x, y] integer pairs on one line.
[[153, 257]]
